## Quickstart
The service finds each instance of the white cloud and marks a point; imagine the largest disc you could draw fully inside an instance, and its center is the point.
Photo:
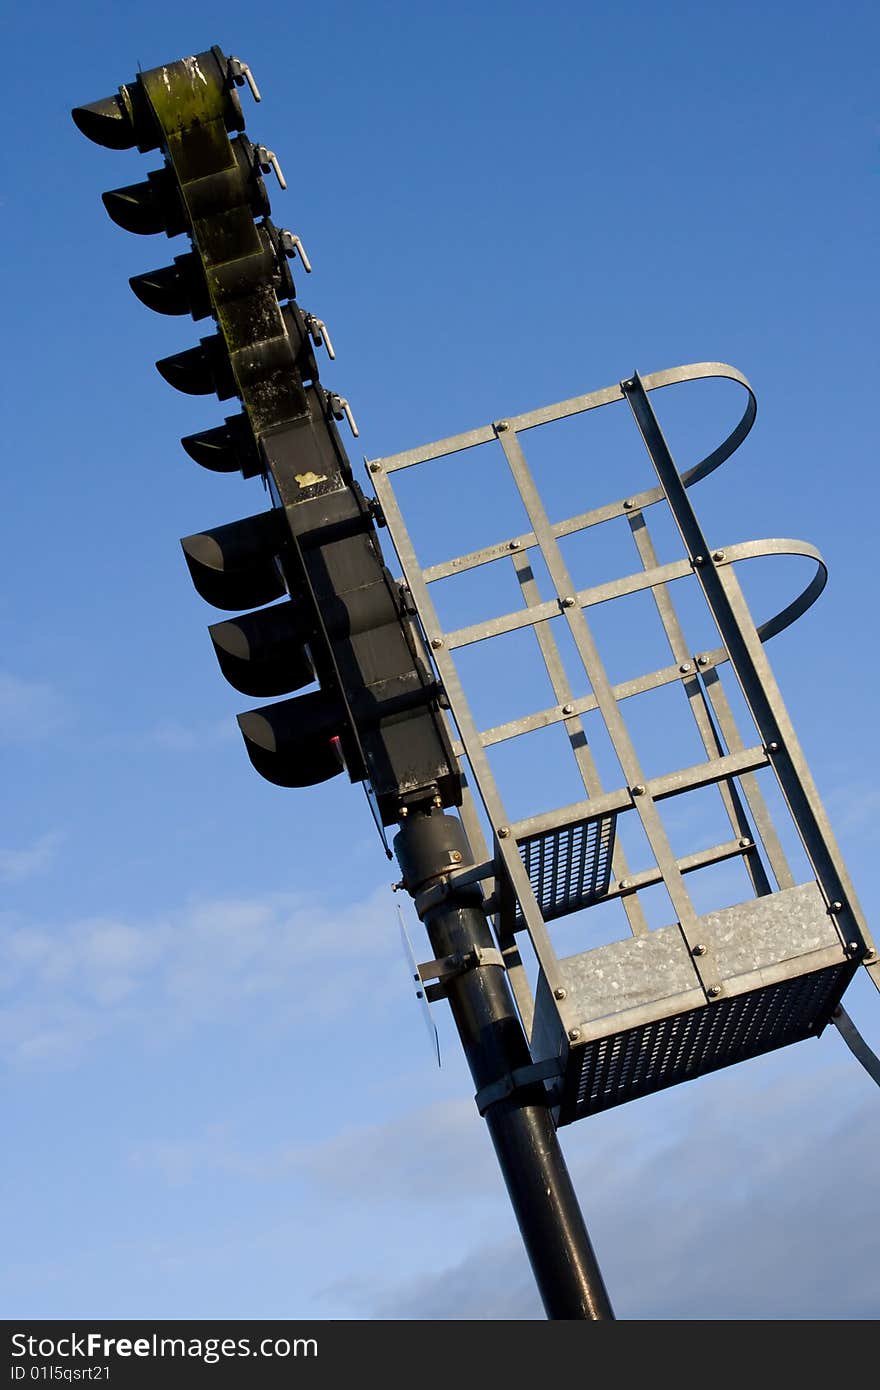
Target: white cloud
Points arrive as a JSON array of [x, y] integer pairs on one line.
[[18, 864], [29, 710], [416, 1157], [66, 984], [746, 1195], [419, 1156], [179, 1161], [855, 810], [181, 738], [494, 1283]]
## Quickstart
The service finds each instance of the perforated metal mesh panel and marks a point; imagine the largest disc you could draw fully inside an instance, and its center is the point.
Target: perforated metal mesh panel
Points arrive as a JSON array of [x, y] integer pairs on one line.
[[569, 867], [622, 1066]]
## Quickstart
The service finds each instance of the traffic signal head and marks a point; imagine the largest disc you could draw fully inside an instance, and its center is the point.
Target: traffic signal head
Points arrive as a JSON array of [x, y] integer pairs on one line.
[[227, 448], [313, 600], [130, 118], [181, 288], [265, 653], [178, 288], [296, 743], [120, 122], [201, 370], [237, 566]]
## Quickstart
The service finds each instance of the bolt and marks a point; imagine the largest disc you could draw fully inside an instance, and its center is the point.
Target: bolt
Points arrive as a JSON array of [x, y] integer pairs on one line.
[[624, 883], [869, 955], [852, 947], [745, 842], [501, 425], [699, 559], [436, 643], [638, 789], [513, 545], [420, 994], [700, 949], [455, 856], [835, 907], [503, 832], [685, 667], [559, 993], [702, 661], [713, 991], [568, 601], [717, 554], [375, 467], [574, 1034], [627, 385], [568, 709], [628, 504], [404, 812], [772, 747], [438, 800]]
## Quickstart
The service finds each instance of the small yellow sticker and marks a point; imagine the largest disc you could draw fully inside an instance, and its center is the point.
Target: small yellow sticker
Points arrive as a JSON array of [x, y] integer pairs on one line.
[[309, 479]]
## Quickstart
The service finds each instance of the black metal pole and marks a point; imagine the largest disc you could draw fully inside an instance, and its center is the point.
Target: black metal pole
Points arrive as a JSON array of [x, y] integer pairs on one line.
[[428, 847]]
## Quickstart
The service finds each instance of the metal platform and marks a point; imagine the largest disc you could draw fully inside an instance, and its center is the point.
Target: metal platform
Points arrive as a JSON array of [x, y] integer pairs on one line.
[[644, 1023], [706, 989]]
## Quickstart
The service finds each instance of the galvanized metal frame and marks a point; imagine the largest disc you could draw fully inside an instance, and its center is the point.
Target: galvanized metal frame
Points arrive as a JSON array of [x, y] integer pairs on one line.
[[743, 643], [742, 646]]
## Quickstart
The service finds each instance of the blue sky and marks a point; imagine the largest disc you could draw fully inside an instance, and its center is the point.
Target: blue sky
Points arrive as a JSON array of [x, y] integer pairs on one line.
[[218, 1092]]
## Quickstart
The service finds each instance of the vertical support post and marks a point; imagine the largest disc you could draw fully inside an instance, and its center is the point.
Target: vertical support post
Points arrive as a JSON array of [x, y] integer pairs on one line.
[[428, 846]]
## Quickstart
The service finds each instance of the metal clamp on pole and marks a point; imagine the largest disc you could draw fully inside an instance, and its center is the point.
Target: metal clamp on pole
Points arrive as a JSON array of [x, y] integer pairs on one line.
[[450, 967], [514, 1081], [443, 887]]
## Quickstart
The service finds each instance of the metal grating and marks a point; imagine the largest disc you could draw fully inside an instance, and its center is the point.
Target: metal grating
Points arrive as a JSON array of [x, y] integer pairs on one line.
[[622, 1066], [569, 867]]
